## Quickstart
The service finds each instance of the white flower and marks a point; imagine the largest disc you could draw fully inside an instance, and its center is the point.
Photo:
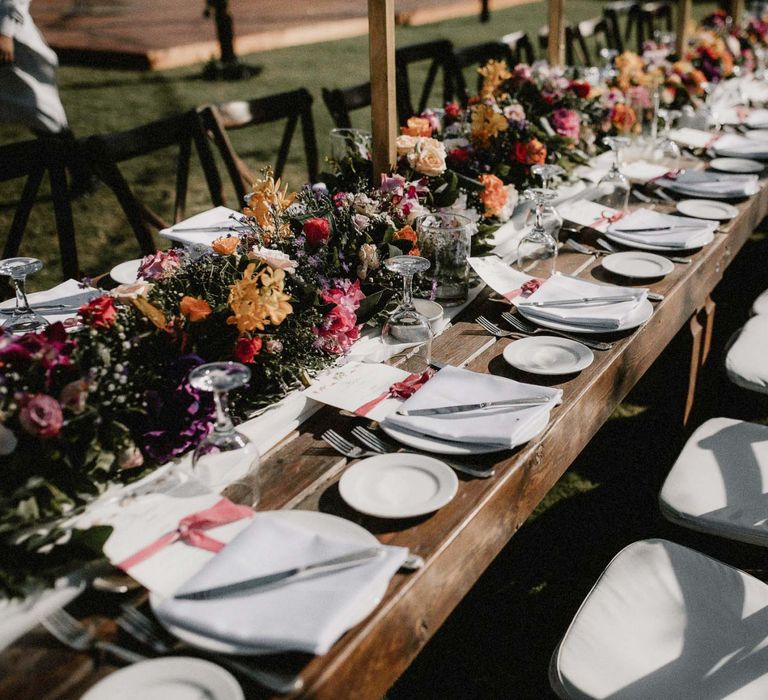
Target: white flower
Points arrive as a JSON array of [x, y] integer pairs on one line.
[[405, 144], [124, 292], [453, 144], [8, 441], [428, 158], [276, 259]]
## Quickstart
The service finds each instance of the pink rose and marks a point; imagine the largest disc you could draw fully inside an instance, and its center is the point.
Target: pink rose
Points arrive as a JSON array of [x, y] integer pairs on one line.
[[159, 265], [41, 415], [130, 458], [566, 122]]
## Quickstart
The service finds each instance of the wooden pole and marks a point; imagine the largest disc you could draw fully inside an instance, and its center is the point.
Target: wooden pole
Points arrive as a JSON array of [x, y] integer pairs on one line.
[[556, 43], [381, 42], [683, 19], [736, 10]]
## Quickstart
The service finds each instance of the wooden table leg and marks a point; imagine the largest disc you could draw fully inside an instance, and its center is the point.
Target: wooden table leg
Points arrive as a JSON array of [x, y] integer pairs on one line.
[[709, 323], [696, 329]]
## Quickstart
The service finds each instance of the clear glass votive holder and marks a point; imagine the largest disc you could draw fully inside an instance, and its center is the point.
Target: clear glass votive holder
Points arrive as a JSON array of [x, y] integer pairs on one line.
[[445, 240]]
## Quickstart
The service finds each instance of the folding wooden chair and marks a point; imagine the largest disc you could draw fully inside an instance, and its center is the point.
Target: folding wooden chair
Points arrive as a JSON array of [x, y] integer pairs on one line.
[[614, 13], [107, 150], [578, 37], [521, 47], [294, 107], [653, 17], [478, 55], [31, 160], [440, 55], [341, 101]]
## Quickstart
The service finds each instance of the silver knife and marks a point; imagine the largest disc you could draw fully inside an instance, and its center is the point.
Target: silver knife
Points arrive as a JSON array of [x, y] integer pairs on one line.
[[287, 575], [209, 229], [583, 300], [465, 408]]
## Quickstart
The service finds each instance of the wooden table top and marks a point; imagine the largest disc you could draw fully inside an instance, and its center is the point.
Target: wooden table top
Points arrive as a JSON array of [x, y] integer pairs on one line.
[[460, 540]]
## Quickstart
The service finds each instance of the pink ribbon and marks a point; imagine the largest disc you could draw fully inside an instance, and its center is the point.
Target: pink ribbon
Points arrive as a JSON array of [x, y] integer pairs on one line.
[[524, 290], [607, 218], [399, 390], [191, 531]]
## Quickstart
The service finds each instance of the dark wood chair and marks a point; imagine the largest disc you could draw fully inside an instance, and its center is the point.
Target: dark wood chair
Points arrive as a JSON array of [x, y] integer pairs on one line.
[[31, 160], [653, 17], [543, 36], [615, 13], [578, 38], [106, 151], [439, 53], [477, 56], [521, 47], [294, 107], [341, 101]]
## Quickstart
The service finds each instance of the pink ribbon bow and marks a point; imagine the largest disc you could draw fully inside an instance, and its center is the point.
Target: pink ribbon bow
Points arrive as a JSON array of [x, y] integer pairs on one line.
[[399, 390], [191, 531], [524, 290], [607, 218]]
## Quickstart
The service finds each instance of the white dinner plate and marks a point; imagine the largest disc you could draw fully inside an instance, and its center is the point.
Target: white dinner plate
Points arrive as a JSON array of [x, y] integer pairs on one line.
[[312, 520], [126, 272], [638, 264], [707, 209], [548, 354], [760, 135], [398, 485], [427, 443], [639, 316], [169, 678], [736, 165], [658, 248]]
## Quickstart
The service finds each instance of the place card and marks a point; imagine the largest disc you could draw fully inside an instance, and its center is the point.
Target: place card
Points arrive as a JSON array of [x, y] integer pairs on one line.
[[499, 276], [201, 230], [586, 213]]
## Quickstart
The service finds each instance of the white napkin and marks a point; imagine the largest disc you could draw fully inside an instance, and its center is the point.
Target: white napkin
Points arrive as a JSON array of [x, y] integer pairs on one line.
[[71, 293], [452, 386], [308, 615], [609, 316], [757, 119], [679, 236], [214, 218], [691, 138], [713, 184], [739, 146]]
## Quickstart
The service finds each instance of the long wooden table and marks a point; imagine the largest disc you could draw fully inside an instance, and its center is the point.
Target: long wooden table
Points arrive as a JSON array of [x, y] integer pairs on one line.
[[459, 541]]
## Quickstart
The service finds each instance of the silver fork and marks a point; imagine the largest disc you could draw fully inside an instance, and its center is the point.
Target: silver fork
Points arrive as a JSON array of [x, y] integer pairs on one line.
[[613, 249], [344, 446], [151, 633], [531, 329], [584, 250], [373, 441], [493, 329], [72, 633]]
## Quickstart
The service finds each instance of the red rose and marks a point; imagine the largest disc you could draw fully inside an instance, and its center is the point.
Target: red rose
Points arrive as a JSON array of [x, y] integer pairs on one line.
[[459, 155], [317, 230], [246, 349], [40, 415], [99, 312], [452, 110], [580, 89]]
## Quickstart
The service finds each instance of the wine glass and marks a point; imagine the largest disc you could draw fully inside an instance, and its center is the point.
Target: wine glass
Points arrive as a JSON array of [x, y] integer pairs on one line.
[[24, 319], [225, 456], [613, 186], [551, 218], [667, 148], [537, 248], [607, 70], [406, 326]]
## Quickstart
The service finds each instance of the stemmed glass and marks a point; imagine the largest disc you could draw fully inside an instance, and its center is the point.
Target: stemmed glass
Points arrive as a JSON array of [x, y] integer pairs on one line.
[[613, 186], [24, 319], [225, 456], [537, 248], [551, 218], [607, 71], [406, 326], [668, 148]]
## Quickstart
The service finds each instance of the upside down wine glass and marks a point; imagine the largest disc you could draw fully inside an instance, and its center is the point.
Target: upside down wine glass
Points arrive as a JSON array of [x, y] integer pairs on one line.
[[407, 327], [24, 319], [537, 250], [666, 146], [551, 218], [613, 186], [225, 457]]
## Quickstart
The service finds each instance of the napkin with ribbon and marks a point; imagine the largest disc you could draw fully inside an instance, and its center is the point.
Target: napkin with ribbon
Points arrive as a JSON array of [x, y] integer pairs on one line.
[[209, 225], [452, 386], [708, 183], [307, 615], [608, 316], [757, 118], [70, 294], [680, 232], [739, 146]]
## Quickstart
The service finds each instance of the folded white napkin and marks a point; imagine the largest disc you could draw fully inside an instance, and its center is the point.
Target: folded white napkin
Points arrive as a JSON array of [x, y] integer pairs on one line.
[[739, 146], [307, 615], [214, 219], [709, 183], [70, 293], [452, 386], [680, 235], [758, 118], [692, 138], [609, 316]]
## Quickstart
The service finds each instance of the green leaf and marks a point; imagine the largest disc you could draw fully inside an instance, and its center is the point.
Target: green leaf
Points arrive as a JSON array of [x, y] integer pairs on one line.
[[372, 304]]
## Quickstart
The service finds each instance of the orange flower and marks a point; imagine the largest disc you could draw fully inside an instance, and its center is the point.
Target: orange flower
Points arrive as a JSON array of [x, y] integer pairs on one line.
[[265, 203], [493, 196], [533, 152], [257, 301], [494, 74], [417, 126], [623, 117], [195, 309], [226, 245], [408, 234], [486, 123]]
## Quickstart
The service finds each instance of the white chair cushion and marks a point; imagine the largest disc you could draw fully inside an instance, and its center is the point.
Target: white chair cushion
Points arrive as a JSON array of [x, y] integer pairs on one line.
[[664, 622], [760, 305], [719, 483], [747, 359]]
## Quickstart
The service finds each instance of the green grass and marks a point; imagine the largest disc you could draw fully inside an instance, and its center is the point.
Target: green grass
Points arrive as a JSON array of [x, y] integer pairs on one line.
[[99, 100]]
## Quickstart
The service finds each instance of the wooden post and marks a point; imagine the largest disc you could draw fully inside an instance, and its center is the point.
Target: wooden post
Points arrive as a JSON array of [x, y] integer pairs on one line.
[[736, 10], [381, 42], [683, 19], [556, 43]]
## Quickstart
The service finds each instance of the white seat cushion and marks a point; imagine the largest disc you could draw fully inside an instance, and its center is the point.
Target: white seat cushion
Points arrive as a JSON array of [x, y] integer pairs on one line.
[[719, 483], [664, 622], [747, 359], [760, 305]]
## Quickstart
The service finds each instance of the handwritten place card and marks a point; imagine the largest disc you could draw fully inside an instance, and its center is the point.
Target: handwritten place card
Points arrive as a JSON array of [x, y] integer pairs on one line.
[[586, 213], [499, 276]]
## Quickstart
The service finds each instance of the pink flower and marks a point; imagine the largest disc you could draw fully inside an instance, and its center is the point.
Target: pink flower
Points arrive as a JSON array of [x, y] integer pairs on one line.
[[130, 458], [394, 184], [276, 259], [514, 112], [349, 295], [566, 122], [100, 312], [160, 264], [40, 415], [75, 395], [339, 329]]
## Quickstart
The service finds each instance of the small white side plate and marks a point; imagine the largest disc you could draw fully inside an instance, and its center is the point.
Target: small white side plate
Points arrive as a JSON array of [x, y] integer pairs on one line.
[[638, 265], [171, 678], [399, 485], [760, 135], [707, 209], [126, 272], [736, 165], [548, 355]]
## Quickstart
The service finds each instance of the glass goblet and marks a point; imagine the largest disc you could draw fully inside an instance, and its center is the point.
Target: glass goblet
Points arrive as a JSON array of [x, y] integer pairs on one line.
[[613, 186], [23, 319], [537, 250], [667, 148], [226, 456], [406, 327], [551, 218]]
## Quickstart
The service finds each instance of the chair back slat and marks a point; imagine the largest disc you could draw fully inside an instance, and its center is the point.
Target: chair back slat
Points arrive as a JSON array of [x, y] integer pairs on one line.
[[653, 16], [613, 13], [520, 46], [341, 101], [441, 57], [577, 49]]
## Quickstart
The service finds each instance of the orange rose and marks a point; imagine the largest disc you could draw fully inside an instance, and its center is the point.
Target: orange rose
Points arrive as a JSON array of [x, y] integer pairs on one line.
[[493, 196], [623, 117], [408, 234], [195, 309], [417, 126], [534, 152], [226, 245]]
